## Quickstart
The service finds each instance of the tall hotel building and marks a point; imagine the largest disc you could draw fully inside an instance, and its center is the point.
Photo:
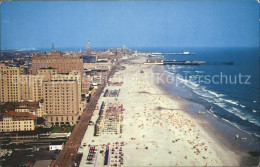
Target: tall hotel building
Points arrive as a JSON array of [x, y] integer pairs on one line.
[[9, 83], [64, 64], [62, 95]]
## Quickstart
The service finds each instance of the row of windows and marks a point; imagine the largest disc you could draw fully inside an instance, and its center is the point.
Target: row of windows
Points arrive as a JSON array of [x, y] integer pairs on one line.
[[18, 126], [15, 129], [62, 118], [62, 112], [10, 121]]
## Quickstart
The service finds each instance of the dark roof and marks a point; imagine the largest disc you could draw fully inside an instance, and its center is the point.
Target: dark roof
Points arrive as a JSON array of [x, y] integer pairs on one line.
[[49, 68], [57, 143], [18, 115], [14, 105]]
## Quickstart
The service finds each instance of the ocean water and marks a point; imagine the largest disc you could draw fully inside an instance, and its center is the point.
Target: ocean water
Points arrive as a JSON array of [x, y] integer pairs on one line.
[[230, 92]]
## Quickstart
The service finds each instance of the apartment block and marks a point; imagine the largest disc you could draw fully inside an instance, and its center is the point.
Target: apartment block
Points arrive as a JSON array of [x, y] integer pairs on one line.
[[17, 121]]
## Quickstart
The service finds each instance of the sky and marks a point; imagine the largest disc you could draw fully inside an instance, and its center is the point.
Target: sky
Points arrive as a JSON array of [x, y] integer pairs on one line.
[[198, 23]]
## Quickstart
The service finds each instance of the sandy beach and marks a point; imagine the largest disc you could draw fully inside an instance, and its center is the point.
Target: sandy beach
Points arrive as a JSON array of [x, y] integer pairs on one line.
[[156, 131]]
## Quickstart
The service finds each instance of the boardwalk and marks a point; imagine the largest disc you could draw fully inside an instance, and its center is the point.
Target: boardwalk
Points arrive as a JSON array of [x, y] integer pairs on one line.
[[69, 152]]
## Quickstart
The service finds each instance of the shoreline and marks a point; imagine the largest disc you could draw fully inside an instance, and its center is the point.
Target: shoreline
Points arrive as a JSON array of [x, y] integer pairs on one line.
[[213, 129], [156, 129]]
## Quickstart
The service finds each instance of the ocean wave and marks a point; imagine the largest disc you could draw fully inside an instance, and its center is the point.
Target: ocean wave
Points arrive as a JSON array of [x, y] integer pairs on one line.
[[194, 84], [236, 109], [182, 80], [179, 67], [210, 111], [222, 105], [255, 122], [227, 121], [208, 99], [201, 93], [169, 72], [242, 105], [237, 126], [231, 101], [171, 67], [214, 93], [248, 117], [199, 71], [238, 115], [189, 84], [256, 135], [217, 98], [235, 112]]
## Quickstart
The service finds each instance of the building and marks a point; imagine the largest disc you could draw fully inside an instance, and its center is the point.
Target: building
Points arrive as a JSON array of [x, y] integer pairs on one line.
[[17, 121], [31, 87], [97, 70], [97, 66], [35, 110], [85, 85], [16, 86], [88, 50], [63, 64], [9, 83], [62, 95]]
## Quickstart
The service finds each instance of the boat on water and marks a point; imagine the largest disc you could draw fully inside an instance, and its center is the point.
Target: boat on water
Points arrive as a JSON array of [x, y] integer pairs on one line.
[[179, 53], [155, 54], [187, 53]]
